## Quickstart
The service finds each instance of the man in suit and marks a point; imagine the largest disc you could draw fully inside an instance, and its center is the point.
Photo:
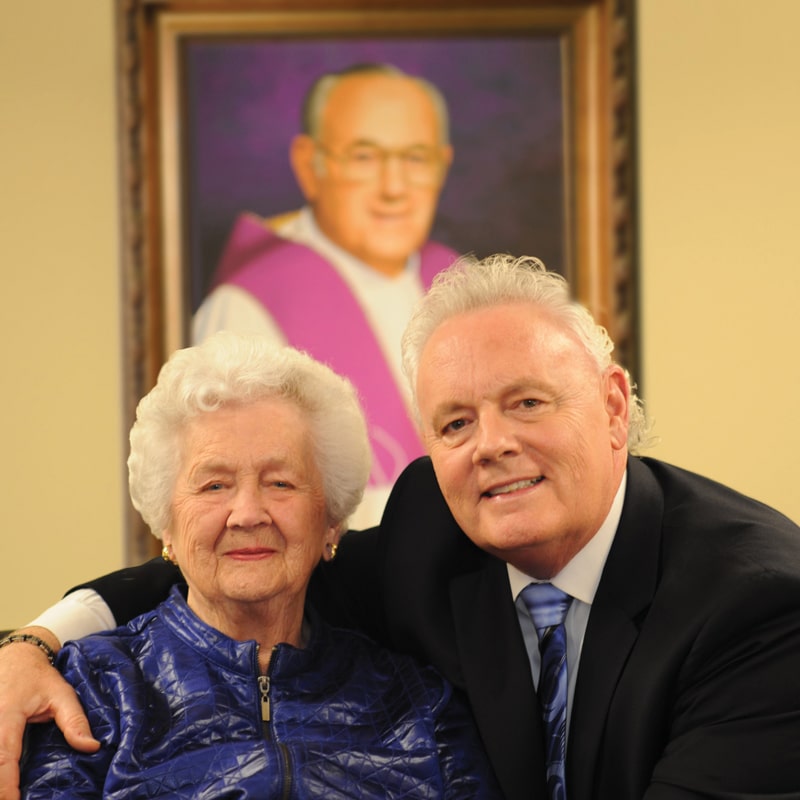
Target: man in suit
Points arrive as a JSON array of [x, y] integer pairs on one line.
[[682, 629], [340, 277]]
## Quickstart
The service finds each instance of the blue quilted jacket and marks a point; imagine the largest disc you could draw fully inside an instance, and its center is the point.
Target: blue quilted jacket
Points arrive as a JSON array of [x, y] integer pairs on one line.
[[182, 712]]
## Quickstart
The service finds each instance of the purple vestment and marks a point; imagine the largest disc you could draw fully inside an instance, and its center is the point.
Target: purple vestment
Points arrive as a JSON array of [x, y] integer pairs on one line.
[[317, 312]]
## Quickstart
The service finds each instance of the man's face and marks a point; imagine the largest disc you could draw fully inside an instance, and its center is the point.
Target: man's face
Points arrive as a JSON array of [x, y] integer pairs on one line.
[[527, 438], [384, 219]]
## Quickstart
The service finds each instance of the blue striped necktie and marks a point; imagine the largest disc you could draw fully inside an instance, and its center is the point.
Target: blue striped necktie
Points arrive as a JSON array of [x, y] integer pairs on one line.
[[548, 608]]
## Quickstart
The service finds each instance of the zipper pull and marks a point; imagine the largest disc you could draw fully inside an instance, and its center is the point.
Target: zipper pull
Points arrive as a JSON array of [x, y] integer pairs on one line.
[[263, 687]]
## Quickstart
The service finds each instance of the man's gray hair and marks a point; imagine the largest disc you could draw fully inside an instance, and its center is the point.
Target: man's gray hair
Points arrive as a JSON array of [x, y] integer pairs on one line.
[[471, 284], [230, 370], [317, 97]]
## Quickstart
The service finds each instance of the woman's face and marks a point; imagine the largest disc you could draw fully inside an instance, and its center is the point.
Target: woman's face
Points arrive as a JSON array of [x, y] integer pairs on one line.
[[248, 521]]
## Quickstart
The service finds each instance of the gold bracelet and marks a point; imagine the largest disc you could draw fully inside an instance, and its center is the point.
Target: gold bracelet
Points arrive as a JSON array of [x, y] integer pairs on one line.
[[29, 637]]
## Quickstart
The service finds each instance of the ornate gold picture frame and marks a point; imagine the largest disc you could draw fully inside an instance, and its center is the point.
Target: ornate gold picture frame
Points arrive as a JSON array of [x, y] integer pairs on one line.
[[541, 97]]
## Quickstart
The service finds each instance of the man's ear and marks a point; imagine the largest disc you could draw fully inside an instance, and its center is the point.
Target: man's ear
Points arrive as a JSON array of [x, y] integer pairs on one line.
[[302, 153], [447, 160], [618, 399]]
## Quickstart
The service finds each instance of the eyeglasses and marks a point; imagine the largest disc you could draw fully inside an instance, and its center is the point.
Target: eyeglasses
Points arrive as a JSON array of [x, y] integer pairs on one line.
[[363, 163]]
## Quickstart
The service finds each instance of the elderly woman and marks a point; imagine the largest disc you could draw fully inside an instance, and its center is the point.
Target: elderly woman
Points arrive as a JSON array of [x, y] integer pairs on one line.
[[246, 461]]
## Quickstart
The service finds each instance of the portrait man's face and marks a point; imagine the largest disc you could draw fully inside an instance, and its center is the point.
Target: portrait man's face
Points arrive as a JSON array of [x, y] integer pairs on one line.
[[374, 176], [526, 435]]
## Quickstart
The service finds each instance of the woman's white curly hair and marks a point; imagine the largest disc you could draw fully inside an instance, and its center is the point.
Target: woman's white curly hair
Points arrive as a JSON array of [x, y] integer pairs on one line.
[[230, 370]]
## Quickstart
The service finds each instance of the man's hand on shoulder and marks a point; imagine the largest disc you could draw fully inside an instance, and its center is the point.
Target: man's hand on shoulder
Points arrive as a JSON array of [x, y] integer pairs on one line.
[[31, 690]]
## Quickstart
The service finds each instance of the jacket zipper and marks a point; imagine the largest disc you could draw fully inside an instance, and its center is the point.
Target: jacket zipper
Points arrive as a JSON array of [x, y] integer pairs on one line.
[[263, 688], [266, 713]]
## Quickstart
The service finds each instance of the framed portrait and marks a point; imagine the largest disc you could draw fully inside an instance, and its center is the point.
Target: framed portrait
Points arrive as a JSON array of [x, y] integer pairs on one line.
[[538, 99]]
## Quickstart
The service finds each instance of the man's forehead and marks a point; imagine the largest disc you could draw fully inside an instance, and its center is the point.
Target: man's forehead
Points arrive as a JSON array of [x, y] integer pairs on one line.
[[517, 341], [376, 107], [395, 86], [510, 321]]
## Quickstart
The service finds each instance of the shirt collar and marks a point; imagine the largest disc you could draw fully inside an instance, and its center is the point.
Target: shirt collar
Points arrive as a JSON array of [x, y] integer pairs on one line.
[[303, 228], [581, 576]]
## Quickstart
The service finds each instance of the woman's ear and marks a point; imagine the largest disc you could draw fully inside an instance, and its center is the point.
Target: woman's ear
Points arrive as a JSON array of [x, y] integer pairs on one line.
[[166, 537], [331, 544]]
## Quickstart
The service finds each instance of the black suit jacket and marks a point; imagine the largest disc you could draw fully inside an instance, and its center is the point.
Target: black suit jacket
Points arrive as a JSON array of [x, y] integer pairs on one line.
[[689, 677]]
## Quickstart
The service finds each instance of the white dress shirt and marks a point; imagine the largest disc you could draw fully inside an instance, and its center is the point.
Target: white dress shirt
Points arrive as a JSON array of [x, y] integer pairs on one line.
[[579, 579]]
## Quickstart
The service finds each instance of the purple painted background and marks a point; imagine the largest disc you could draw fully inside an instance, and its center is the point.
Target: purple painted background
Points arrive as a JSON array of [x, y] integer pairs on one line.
[[505, 191]]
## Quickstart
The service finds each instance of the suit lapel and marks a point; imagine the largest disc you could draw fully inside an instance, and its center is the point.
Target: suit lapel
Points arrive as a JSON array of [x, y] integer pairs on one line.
[[498, 679], [625, 592]]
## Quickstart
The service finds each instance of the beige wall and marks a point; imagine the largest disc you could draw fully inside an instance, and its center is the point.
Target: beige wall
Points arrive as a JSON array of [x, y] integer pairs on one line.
[[720, 214], [60, 472], [720, 207]]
